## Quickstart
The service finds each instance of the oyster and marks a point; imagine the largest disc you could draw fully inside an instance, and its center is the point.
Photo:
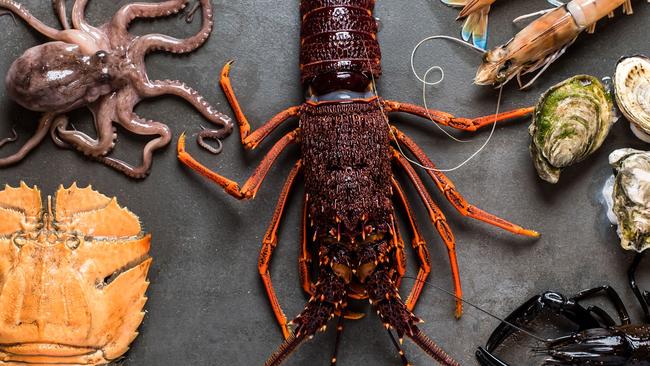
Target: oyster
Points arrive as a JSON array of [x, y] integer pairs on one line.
[[631, 197], [632, 85], [570, 122]]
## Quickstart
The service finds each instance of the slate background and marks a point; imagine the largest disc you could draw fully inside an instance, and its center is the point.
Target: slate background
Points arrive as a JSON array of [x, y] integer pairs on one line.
[[206, 302]]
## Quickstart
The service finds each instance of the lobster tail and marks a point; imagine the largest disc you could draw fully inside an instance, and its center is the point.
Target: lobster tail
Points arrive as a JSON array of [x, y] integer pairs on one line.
[[338, 36]]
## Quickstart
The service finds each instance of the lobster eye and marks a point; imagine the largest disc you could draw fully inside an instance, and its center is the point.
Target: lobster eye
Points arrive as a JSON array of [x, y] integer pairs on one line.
[[101, 54]]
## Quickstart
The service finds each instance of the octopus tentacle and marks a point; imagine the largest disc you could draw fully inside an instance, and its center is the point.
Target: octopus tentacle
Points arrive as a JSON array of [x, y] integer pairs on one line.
[[60, 123], [106, 133], [23, 13], [6, 140], [78, 15], [41, 131], [212, 135], [161, 42], [182, 90], [123, 18], [141, 126], [61, 12]]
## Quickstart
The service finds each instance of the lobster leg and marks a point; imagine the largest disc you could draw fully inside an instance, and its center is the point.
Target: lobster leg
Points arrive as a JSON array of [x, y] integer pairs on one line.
[[248, 139], [440, 223], [453, 196], [337, 342], [269, 243], [400, 255], [446, 119], [419, 246], [304, 261], [400, 351], [252, 185], [642, 296]]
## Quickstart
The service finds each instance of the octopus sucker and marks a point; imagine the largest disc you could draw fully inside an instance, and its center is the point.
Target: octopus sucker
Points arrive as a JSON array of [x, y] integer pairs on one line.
[[103, 69]]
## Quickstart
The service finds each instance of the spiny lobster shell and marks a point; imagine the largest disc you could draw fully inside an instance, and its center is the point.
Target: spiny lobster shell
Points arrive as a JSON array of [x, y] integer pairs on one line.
[[72, 281]]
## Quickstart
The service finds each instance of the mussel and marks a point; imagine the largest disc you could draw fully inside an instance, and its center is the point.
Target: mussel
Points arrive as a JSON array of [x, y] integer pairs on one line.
[[632, 85], [631, 197], [570, 122]]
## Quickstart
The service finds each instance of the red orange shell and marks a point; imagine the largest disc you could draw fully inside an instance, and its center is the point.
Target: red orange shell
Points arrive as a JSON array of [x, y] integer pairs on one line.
[[72, 277]]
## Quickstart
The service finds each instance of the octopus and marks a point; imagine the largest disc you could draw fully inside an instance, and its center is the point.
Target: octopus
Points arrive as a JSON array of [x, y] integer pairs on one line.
[[103, 69]]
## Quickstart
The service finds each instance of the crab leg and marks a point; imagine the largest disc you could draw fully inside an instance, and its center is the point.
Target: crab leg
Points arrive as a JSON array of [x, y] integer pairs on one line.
[[446, 119], [453, 196]]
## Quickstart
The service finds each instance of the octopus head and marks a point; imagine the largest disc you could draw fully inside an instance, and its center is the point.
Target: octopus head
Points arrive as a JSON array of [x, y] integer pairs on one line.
[[497, 68], [59, 77]]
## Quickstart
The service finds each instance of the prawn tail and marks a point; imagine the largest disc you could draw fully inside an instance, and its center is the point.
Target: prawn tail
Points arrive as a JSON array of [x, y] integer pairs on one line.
[[476, 28]]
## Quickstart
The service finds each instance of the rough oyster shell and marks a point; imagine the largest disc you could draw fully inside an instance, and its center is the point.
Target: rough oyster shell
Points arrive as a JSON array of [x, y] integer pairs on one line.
[[570, 122], [632, 85], [631, 196]]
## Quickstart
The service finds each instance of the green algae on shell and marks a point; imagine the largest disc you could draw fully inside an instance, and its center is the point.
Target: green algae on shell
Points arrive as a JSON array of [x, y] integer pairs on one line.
[[631, 197], [570, 122]]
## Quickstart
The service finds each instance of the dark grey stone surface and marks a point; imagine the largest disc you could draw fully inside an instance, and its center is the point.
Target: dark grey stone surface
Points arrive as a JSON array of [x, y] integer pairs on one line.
[[206, 302]]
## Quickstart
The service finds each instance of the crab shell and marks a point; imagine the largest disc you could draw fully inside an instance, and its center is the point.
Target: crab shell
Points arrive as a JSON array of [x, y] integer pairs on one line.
[[631, 196], [72, 281], [570, 122], [632, 84]]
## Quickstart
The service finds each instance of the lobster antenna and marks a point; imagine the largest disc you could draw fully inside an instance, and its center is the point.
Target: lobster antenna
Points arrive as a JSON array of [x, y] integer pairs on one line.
[[480, 309], [286, 348], [424, 81], [374, 90]]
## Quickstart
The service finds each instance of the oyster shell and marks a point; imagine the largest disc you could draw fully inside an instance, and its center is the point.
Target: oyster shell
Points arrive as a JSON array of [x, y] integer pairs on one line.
[[570, 122], [632, 85], [631, 196]]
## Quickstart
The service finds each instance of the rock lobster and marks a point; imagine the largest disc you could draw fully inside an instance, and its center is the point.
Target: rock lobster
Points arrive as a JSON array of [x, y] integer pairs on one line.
[[346, 156]]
